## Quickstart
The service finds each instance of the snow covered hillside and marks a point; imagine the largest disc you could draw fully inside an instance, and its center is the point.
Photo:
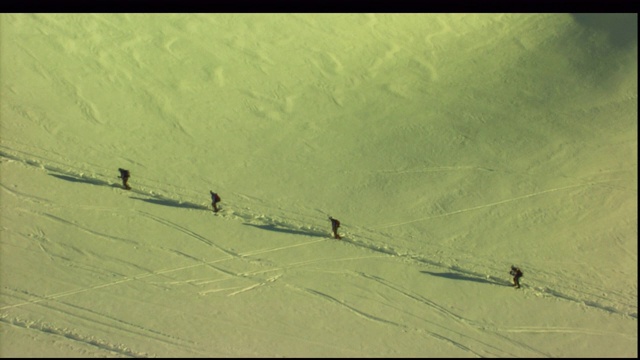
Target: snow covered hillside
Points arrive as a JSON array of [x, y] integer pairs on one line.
[[450, 146]]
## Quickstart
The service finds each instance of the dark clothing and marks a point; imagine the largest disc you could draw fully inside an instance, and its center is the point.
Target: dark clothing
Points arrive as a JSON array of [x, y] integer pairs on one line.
[[335, 224], [215, 199], [124, 175], [517, 274]]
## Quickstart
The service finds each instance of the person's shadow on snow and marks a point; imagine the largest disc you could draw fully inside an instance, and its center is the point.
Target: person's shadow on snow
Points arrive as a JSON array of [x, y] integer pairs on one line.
[[457, 276], [173, 203], [82, 180], [272, 227]]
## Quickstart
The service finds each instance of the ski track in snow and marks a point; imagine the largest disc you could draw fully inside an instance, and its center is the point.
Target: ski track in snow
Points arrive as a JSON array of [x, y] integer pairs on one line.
[[108, 322], [368, 238], [100, 344], [384, 226], [378, 319], [451, 317]]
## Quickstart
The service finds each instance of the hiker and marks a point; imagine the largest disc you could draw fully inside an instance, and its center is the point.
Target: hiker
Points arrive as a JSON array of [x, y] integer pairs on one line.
[[215, 199], [335, 224], [517, 274], [124, 175]]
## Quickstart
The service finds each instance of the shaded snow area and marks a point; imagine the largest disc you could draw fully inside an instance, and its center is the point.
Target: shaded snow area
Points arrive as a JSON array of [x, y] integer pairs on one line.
[[449, 146]]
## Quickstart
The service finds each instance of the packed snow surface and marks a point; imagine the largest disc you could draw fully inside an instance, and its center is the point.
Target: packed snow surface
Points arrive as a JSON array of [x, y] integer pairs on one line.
[[450, 147]]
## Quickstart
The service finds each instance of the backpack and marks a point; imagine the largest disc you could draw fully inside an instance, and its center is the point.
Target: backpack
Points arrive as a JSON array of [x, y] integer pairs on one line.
[[516, 272], [336, 222], [216, 197]]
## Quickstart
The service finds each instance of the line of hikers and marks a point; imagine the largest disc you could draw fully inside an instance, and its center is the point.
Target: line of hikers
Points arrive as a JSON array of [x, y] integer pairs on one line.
[[335, 223], [215, 199]]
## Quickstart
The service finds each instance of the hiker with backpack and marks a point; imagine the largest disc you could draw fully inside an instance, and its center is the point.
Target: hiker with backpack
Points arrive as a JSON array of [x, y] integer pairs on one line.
[[215, 199], [124, 175], [517, 274], [335, 224]]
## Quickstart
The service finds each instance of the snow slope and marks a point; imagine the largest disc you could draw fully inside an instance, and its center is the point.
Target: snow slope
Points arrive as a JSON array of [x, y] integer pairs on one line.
[[450, 146]]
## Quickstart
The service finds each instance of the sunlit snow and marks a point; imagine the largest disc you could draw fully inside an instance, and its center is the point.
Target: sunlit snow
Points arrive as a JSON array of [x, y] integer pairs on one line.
[[449, 146]]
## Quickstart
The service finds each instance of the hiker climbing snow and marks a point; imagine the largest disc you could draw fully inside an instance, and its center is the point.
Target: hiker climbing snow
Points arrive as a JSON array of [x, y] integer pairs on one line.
[[124, 175], [215, 199], [517, 274], [335, 224]]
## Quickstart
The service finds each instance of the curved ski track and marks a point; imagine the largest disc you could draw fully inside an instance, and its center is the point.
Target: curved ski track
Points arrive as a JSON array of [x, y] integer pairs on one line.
[[367, 239]]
